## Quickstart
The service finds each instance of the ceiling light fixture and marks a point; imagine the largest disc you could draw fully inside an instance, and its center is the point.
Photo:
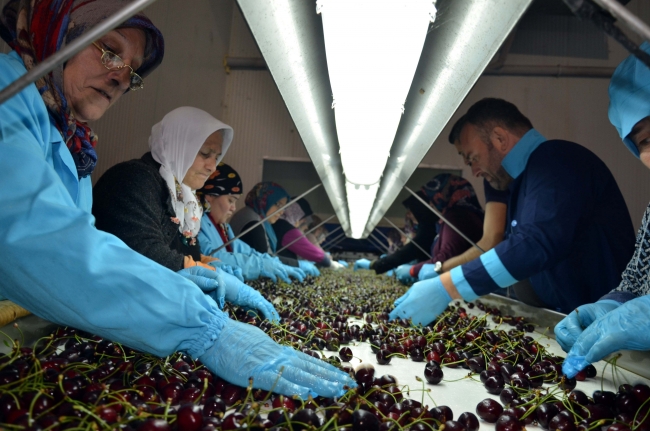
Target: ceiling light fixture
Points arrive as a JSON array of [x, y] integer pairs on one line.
[[372, 49]]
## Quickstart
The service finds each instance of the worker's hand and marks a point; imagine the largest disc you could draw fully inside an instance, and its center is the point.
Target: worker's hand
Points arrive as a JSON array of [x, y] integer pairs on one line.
[[336, 265], [242, 351], [206, 279], [243, 295], [570, 328], [232, 270], [207, 259], [422, 303], [390, 273], [295, 272], [189, 262], [403, 274], [344, 263], [268, 270], [308, 268], [427, 271], [625, 328], [361, 264]]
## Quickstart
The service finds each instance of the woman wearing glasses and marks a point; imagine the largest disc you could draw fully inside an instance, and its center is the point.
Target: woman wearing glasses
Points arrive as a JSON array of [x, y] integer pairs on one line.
[[55, 262]]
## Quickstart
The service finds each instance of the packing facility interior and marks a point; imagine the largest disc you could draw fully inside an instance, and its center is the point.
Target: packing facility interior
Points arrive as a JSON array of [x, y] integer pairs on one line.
[[548, 39]]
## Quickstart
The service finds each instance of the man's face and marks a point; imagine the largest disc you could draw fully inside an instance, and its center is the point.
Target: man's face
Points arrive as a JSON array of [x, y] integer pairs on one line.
[[640, 135], [484, 158]]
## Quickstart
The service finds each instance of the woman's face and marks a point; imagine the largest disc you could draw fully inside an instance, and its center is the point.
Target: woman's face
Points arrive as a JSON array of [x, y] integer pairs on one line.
[[640, 135], [205, 162], [88, 86], [275, 207], [222, 207]]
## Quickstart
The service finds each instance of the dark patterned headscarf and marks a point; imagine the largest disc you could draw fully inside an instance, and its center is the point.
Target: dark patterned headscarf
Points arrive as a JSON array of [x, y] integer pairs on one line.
[[446, 191], [36, 29], [262, 197], [224, 181]]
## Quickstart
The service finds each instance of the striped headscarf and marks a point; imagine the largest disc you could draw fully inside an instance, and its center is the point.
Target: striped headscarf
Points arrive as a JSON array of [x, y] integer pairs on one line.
[[36, 29], [262, 197]]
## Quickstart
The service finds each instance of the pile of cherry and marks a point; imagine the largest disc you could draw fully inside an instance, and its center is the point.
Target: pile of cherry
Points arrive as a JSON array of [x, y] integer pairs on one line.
[[72, 380]]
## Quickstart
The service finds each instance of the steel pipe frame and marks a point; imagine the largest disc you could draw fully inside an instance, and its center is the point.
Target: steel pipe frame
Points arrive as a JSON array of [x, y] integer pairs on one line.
[[69, 51], [268, 216], [303, 235], [414, 243], [450, 224]]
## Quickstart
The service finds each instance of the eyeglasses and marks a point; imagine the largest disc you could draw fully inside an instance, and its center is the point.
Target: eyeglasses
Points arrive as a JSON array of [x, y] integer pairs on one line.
[[112, 61]]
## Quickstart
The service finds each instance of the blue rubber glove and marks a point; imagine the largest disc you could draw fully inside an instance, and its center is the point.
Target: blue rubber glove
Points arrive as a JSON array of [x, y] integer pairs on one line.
[[422, 303], [204, 278], [268, 270], [570, 328], [390, 273], [295, 272], [403, 274], [361, 264], [625, 328], [427, 272], [344, 263], [243, 295], [309, 268], [230, 269], [242, 351]]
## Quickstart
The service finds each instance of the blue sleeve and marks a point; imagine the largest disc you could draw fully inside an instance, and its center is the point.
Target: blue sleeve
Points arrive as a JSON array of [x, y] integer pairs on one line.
[[550, 206], [58, 266]]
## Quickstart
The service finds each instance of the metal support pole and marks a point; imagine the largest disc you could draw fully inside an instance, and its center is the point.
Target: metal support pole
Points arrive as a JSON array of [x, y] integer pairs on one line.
[[383, 246], [439, 214], [341, 238], [333, 241], [303, 235], [414, 243], [630, 20], [268, 216], [69, 51], [383, 236], [373, 241]]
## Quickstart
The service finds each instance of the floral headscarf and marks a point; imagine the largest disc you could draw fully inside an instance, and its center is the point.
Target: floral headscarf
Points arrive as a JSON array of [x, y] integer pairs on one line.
[[293, 214], [36, 29], [262, 197], [224, 181], [174, 143], [446, 191]]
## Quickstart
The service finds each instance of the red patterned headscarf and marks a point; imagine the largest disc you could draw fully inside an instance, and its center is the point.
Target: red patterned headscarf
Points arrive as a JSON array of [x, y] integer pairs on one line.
[[446, 191], [36, 29]]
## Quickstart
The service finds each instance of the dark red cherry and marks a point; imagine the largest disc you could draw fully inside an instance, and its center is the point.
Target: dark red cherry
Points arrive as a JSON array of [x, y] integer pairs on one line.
[[189, 417], [383, 357], [508, 423], [469, 421], [432, 373], [363, 420], [154, 425], [345, 354], [489, 410], [545, 412]]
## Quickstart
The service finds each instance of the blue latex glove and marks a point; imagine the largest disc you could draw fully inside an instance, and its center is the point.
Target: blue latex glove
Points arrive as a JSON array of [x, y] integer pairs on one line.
[[570, 328], [344, 263], [242, 351], [309, 268], [427, 272], [390, 273], [361, 264], [403, 274], [422, 303], [243, 295], [232, 270], [204, 278], [295, 272], [268, 270], [625, 328]]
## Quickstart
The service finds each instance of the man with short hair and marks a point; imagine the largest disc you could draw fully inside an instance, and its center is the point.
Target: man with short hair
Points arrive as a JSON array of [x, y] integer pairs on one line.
[[568, 228]]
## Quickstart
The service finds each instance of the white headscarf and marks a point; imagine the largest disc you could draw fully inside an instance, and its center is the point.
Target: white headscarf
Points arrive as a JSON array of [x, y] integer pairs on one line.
[[174, 143]]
